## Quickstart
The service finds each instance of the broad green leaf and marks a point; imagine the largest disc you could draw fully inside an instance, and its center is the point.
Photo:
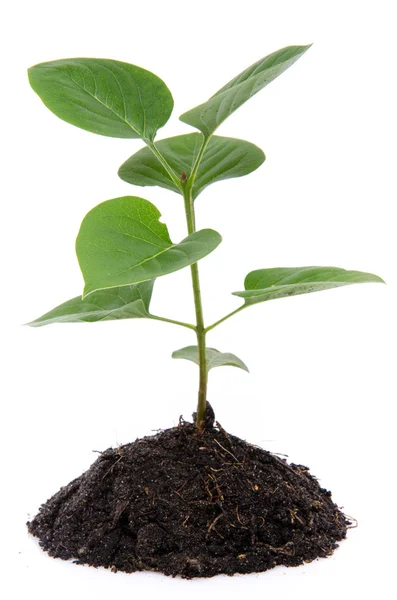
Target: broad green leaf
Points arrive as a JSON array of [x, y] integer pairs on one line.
[[224, 158], [214, 358], [104, 96], [208, 116], [128, 302], [269, 284], [122, 242]]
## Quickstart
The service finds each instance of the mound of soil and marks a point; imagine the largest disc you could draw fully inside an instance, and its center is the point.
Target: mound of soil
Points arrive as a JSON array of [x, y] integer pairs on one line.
[[193, 505]]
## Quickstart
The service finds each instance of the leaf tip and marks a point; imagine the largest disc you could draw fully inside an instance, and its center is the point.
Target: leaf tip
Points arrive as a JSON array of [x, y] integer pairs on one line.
[[35, 323], [305, 48], [29, 73]]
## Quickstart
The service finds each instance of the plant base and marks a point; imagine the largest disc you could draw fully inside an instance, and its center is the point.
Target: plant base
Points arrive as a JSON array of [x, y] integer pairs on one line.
[[190, 505]]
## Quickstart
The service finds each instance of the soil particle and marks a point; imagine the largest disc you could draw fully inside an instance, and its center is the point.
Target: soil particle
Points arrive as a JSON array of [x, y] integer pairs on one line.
[[192, 505]]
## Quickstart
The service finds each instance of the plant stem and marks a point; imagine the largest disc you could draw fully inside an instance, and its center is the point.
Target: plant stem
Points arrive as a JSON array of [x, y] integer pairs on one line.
[[201, 344], [200, 329], [186, 188], [234, 312], [181, 323]]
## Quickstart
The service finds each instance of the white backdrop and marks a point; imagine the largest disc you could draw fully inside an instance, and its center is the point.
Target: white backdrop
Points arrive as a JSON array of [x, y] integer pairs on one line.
[[322, 386]]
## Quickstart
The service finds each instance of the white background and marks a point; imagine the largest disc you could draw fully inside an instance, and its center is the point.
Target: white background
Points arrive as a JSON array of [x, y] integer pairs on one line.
[[322, 386]]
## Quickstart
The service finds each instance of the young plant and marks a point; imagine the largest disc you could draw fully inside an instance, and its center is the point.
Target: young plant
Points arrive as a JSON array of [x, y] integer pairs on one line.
[[122, 247]]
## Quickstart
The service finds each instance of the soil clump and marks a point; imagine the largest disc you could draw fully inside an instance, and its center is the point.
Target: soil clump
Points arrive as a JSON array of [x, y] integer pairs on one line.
[[192, 505]]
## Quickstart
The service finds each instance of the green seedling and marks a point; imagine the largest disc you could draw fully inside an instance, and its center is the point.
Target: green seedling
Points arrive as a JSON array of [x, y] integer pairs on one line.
[[122, 247]]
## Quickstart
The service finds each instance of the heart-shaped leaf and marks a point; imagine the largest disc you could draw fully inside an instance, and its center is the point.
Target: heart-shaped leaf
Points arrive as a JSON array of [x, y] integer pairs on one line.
[[208, 116], [122, 241], [128, 302], [224, 158], [214, 358], [104, 96], [269, 284]]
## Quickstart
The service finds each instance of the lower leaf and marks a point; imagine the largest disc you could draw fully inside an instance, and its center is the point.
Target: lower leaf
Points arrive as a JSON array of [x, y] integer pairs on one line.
[[127, 302], [214, 358], [269, 284], [122, 242]]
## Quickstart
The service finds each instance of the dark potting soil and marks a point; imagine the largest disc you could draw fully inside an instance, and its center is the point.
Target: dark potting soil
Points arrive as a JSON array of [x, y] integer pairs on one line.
[[193, 505]]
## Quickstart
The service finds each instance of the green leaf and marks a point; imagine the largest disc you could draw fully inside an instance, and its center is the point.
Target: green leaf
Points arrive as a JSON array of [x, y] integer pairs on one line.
[[214, 358], [128, 302], [122, 241], [208, 116], [224, 158], [269, 284], [104, 96]]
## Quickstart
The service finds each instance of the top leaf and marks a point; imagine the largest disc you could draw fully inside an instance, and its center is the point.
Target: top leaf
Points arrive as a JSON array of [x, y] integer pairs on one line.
[[208, 116], [104, 96], [223, 158]]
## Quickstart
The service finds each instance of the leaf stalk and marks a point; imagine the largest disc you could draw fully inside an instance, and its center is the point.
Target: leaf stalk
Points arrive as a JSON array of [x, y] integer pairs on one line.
[[166, 320], [234, 312], [164, 163], [197, 162]]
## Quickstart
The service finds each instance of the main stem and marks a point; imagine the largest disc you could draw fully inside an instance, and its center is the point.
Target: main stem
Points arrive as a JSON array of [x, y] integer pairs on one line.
[[186, 187], [200, 328]]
